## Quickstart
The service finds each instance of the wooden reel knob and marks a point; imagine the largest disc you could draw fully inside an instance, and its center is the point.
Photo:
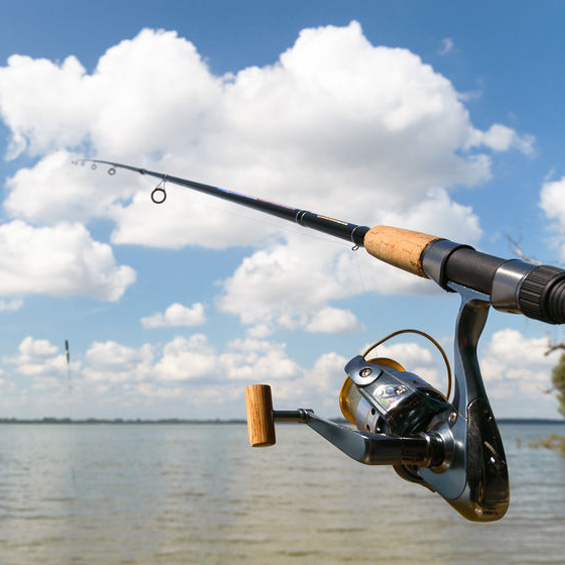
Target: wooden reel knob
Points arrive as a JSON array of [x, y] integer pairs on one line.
[[260, 418]]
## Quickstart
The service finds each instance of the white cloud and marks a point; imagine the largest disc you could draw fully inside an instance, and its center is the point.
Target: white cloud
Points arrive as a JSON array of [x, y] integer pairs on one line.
[[447, 45], [40, 349], [258, 361], [156, 393], [552, 202], [54, 191], [281, 284], [334, 113], [502, 138], [437, 214], [189, 377], [38, 358], [125, 108], [332, 320], [320, 387], [62, 260], [61, 118], [517, 373], [511, 344], [176, 315], [509, 350], [288, 284], [553, 199], [187, 359], [11, 305], [112, 362]]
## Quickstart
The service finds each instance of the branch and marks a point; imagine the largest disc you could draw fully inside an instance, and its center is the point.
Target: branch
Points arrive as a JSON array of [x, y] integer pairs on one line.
[[551, 347], [520, 253]]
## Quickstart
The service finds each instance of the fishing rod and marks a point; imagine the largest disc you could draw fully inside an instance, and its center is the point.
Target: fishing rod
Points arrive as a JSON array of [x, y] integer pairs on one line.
[[451, 446]]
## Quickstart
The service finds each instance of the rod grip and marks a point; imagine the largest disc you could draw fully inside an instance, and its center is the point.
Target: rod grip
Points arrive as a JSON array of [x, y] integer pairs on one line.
[[399, 247], [260, 418]]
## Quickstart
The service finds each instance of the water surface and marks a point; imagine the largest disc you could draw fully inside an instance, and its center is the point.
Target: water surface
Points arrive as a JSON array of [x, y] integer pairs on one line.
[[198, 494]]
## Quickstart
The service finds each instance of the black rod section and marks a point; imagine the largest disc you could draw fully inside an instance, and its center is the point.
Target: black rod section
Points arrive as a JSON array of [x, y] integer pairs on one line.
[[337, 228]]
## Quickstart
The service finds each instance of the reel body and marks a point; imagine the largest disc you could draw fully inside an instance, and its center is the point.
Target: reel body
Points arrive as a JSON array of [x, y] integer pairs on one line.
[[380, 398]]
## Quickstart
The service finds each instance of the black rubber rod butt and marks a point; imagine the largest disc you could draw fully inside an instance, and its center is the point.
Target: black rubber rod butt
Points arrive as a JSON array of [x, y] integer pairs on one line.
[[260, 419]]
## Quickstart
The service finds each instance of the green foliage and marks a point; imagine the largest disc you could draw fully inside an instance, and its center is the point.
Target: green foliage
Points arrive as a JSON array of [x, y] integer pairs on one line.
[[558, 381]]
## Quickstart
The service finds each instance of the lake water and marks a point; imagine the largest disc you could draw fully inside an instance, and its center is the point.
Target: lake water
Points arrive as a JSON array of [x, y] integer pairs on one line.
[[198, 494]]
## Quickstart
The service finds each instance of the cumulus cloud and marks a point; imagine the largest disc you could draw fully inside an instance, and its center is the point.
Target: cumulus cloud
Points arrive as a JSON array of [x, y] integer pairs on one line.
[[187, 359], [61, 260], [447, 46], [333, 320], [113, 362], [190, 377], [333, 113], [11, 305], [281, 284], [510, 349], [518, 373], [118, 99], [53, 191], [258, 360], [37, 358], [176, 315], [502, 138], [287, 284], [552, 202], [112, 379], [553, 199], [60, 118]]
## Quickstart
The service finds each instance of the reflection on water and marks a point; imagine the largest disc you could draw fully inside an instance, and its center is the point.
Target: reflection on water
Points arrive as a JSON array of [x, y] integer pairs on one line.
[[199, 494]]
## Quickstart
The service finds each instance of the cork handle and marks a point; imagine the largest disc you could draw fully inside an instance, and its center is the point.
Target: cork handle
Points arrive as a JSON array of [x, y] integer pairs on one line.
[[260, 419], [402, 248]]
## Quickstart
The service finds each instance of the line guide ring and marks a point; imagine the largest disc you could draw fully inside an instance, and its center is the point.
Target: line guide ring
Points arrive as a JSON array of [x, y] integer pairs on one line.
[[159, 194]]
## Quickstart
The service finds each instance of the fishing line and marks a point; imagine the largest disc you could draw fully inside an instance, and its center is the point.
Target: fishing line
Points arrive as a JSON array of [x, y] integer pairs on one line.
[[428, 337]]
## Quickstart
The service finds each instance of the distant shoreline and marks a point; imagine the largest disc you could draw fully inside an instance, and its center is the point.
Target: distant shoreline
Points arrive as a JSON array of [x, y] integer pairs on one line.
[[178, 421], [114, 421]]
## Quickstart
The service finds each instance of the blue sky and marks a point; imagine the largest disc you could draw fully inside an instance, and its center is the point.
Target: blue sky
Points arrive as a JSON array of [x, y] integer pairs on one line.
[[440, 117]]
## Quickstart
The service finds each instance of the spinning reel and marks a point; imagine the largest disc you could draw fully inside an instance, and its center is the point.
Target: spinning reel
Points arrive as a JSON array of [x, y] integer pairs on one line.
[[453, 448]]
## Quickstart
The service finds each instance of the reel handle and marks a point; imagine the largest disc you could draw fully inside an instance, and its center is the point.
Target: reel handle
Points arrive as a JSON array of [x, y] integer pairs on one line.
[[260, 416]]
